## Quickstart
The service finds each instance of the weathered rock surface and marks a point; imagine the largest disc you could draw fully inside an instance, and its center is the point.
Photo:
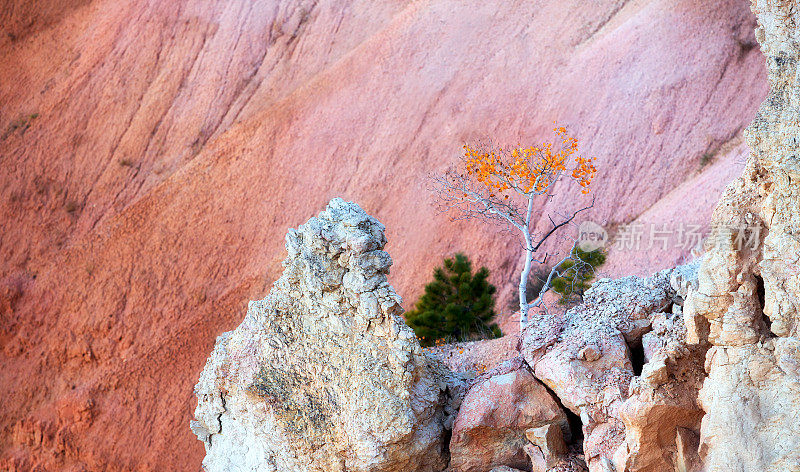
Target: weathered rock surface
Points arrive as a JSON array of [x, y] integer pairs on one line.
[[496, 413], [323, 374], [662, 413], [585, 359], [630, 420], [571, 462], [504, 468], [473, 358], [547, 445], [748, 294]]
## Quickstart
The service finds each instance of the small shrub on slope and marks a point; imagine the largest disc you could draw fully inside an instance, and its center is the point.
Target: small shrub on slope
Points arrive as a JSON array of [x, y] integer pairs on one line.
[[575, 274], [457, 305]]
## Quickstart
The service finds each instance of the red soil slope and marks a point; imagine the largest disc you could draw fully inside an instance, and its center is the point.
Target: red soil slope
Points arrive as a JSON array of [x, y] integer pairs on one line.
[[153, 154]]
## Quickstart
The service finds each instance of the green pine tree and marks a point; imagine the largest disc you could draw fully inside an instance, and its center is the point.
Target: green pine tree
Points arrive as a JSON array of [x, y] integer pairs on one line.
[[576, 274], [457, 304]]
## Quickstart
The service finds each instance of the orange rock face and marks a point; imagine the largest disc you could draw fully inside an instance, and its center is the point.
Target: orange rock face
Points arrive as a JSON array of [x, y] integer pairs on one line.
[[153, 154]]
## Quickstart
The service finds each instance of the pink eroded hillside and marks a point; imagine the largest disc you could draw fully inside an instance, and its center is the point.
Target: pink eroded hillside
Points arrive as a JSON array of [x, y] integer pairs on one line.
[[154, 153]]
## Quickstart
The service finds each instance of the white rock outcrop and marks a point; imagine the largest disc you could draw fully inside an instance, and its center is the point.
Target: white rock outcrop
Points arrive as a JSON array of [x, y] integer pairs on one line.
[[323, 374], [587, 359], [747, 300], [662, 414]]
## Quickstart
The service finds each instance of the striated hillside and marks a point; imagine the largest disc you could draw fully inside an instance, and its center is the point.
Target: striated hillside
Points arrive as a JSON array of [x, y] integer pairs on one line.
[[153, 154]]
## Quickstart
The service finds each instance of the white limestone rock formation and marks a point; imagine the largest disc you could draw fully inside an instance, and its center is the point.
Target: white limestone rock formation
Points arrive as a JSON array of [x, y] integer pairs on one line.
[[748, 296], [323, 374], [586, 358], [662, 415]]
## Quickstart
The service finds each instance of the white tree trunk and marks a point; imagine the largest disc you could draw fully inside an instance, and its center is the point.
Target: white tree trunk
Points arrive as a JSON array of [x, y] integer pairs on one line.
[[526, 270], [523, 286]]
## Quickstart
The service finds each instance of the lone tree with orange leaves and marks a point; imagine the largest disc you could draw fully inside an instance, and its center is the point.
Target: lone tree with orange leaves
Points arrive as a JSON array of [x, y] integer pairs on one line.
[[503, 184]]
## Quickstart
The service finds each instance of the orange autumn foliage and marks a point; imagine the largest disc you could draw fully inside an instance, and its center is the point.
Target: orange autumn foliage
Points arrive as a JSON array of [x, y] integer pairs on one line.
[[527, 170]]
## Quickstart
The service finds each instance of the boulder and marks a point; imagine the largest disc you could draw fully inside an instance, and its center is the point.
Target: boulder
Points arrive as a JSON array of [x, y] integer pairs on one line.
[[497, 411], [662, 407], [549, 440], [584, 357], [630, 421], [661, 413], [323, 374]]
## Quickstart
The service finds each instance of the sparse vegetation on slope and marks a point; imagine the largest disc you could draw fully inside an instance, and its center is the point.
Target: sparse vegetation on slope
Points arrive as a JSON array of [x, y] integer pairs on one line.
[[456, 305], [575, 274]]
